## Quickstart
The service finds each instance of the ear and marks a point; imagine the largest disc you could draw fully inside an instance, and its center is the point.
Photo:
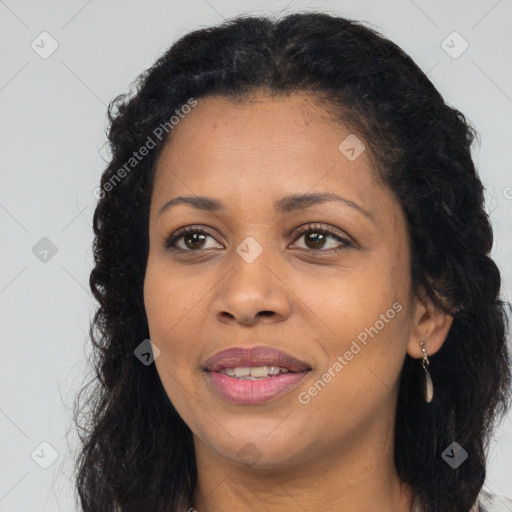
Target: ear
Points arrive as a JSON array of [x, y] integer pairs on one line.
[[430, 325]]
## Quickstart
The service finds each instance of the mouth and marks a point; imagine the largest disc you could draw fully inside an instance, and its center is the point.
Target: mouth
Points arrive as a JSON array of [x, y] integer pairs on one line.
[[253, 376], [255, 372], [245, 362]]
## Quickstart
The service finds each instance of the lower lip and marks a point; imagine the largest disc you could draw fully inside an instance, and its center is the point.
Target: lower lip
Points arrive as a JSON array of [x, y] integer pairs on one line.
[[253, 392]]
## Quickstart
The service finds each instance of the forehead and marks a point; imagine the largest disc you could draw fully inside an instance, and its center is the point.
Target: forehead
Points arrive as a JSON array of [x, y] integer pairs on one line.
[[267, 146], [287, 123]]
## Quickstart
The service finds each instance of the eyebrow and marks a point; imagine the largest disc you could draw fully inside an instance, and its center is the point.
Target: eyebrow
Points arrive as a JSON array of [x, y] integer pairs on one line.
[[281, 206]]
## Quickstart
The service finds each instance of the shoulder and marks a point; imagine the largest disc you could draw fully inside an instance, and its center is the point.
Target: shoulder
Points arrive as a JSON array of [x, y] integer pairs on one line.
[[490, 502], [487, 502]]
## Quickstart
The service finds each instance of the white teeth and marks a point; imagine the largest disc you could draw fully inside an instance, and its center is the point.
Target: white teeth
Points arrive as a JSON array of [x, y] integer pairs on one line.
[[254, 371], [257, 371], [242, 372]]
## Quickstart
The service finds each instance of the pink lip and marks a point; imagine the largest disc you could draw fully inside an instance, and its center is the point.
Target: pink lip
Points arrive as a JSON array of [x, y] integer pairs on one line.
[[253, 392], [255, 356]]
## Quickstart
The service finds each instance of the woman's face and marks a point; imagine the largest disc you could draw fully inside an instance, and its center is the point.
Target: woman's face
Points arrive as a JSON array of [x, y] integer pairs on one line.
[[344, 308]]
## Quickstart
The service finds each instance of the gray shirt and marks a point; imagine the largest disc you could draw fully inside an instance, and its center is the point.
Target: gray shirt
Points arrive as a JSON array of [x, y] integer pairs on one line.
[[486, 502]]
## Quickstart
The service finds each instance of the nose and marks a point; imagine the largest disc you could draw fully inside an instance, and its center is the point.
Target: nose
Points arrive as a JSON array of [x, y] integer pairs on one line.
[[253, 292]]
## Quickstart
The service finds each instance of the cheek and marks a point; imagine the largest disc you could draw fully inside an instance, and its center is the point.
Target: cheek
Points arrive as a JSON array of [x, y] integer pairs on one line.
[[357, 298], [170, 321], [365, 344], [362, 370], [170, 301]]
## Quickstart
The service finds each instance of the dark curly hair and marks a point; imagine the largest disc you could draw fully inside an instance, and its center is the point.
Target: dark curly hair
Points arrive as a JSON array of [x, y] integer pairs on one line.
[[136, 452]]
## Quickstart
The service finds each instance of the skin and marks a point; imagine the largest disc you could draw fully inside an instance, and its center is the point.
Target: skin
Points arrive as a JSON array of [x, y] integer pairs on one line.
[[334, 453]]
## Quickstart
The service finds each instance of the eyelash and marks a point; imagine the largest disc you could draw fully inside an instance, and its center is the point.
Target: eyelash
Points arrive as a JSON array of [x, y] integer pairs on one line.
[[310, 228]]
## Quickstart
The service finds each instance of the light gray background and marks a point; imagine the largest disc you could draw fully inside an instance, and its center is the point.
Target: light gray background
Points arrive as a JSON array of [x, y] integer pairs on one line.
[[52, 122]]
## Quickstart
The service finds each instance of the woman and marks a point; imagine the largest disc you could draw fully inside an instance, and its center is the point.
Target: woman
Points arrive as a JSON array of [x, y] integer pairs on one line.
[[297, 305]]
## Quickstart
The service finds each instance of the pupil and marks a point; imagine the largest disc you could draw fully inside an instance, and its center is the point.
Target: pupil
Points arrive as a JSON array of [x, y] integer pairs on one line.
[[194, 242], [317, 239]]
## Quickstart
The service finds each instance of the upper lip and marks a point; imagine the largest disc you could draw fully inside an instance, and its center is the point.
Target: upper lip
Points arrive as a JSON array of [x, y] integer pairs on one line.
[[236, 357]]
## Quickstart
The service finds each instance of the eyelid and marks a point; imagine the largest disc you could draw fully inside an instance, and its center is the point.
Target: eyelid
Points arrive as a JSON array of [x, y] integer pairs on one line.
[[180, 232], [323, 228]]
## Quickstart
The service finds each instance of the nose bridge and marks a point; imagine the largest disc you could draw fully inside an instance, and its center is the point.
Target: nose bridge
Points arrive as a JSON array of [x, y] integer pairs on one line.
[[251, 264], [252, 284]]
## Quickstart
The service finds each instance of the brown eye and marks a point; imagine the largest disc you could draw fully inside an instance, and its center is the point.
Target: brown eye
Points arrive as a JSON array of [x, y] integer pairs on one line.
[[193, 239], [316, 238]]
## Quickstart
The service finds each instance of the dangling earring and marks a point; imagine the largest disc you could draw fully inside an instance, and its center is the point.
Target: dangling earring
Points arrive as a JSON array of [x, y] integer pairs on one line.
[[428, 386]]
